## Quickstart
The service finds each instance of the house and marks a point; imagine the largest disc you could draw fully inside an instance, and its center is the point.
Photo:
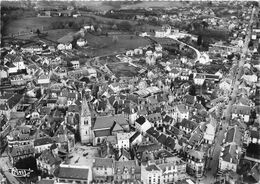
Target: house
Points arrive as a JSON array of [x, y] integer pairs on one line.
[[10, 104], [209, 134], [229, 158], [42, 144], [48, 161], [136, 139], [181, 112], [199, 79], [226, 85], [168, 170], [127, 171], [103, 170], [187, 126], [124, 155], [81, 42], [75, 64], [123, 140], [196, 163], [71, 173], [166, 31], [15, 65], [241, 111], [43, 79], [17, 153], [3, 73], [142, 124]]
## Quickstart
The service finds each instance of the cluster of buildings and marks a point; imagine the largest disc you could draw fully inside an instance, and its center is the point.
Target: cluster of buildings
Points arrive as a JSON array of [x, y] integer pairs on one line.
[[163, 126]]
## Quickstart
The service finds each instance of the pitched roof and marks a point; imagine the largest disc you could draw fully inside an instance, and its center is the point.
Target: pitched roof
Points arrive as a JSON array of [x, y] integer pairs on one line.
[[141, 120], [102, 133], [233, 135], [151, 131], [162, 139], [24, 150], [239, 109], [196, 154], [188, 124], [48, 157], [103, 162], [136, 134], [43, 141], [69, 172], [229, 154]]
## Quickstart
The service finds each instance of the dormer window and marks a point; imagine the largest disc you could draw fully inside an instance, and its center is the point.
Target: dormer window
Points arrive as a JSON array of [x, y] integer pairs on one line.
[[86, 122]]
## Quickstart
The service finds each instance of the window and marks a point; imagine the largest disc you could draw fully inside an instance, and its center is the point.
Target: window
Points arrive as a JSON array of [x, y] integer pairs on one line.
[[86, 132], [86, 122]]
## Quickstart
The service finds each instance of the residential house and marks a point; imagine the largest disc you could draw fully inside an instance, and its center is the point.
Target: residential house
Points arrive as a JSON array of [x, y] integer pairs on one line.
[[42, 144], [199, 79], [75, 64], [17, 153], [170, 169], [48, 161], [241, 111], [209, 134], [142, 124], [103, 170], [44, 79], [127, 171], [229, 158], [123, 140], [136, 139], [9, 104], [124, 155], [73, 174], [181, 112], [187, 126], [196, 163], [81, 42]]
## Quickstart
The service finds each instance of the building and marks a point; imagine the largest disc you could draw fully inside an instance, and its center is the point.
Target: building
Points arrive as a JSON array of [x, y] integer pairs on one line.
[[181, 112], [73, 174], [142, 124], [229, 158], [123, 140], [86, 134], [167, 170], [209, 134], [48, 161], [241, 111], [103, 170], [166, 31], [42, 144], [17, 153], [127, 172], [196, 163]]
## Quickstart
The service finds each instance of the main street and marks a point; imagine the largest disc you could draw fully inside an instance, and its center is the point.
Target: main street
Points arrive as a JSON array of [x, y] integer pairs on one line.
[[216, 149]]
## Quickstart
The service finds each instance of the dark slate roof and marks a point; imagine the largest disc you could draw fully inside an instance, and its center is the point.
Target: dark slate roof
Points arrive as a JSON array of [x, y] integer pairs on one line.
[[43, 141], [240, 109], [151, 131], [14, 100], [48, 157], [188, 124], [253, 150], [162, 139], [72, 173], [102, 133], [136, 134], [141, 120], [168, 119], [170, 143]]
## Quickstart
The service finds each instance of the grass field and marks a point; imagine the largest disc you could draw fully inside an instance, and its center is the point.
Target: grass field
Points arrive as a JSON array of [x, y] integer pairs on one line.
[[104, 45], [57, 34], [27, 24], [123, 69]]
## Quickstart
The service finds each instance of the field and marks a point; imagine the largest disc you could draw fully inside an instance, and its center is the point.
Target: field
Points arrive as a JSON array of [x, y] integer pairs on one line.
[[54, 35], [123, 69], [27, 24], [103, 45], [159, 4]]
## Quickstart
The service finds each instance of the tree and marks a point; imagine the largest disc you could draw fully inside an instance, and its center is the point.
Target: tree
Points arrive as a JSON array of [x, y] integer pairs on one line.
[[115, 39], [38, 32], [125, 25]]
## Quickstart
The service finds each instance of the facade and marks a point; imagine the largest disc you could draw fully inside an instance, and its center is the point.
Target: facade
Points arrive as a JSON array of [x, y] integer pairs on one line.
[[196, 163], [86, 133], [72, 174], [103, 170], [167, 170]]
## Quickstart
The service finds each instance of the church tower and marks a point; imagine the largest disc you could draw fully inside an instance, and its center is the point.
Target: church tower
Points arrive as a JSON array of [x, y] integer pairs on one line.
[[86, 134]]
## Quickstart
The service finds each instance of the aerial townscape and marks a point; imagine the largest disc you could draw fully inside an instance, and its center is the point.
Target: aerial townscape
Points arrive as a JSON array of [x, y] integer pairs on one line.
[[130, 92]]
